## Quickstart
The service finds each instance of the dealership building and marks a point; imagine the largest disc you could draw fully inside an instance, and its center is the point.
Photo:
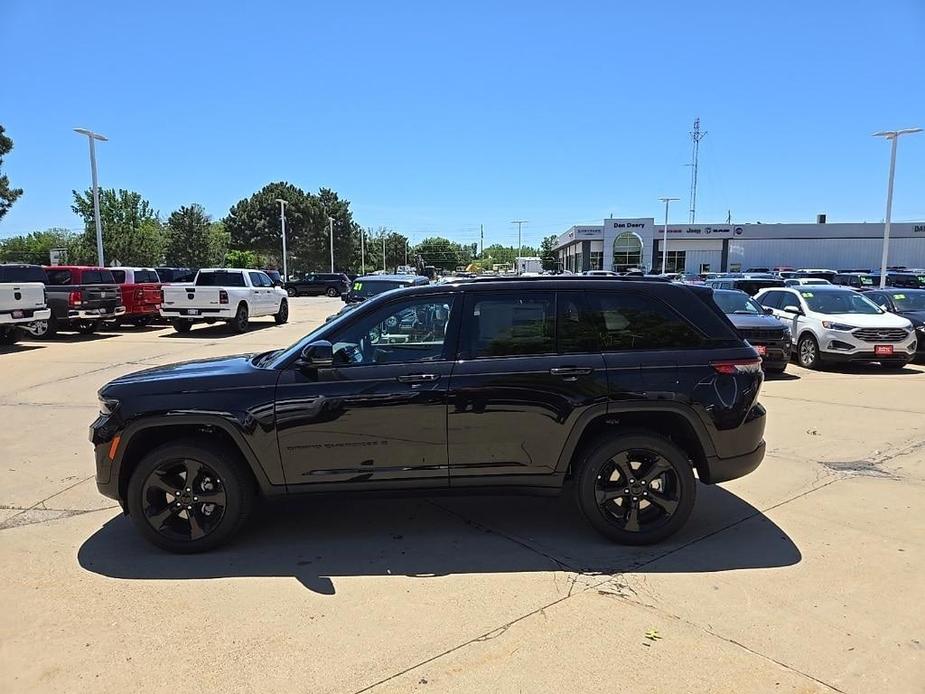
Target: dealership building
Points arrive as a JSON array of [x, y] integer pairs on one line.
[[621, 244]]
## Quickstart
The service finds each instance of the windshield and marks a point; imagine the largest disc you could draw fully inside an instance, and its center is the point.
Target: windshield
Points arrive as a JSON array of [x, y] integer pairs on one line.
[[220, 279], [368, 288], [847, 301], [911, 301], [737, 303]]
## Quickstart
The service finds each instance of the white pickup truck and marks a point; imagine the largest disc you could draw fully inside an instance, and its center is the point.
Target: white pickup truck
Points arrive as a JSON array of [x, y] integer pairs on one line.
[[233, 295], [22, 300]]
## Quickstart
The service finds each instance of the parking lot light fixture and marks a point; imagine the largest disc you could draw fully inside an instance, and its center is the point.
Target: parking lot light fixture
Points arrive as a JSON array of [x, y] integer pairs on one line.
[[93, 137], [282, 221], [665, 241], [893, 135]]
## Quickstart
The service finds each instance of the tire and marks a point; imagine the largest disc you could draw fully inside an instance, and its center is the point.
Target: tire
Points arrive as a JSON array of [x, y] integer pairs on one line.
[[44, 329], [182, 326], [283, 315], [615, 495], [141, 322], [240, 321], [218, 473], [86, 327], [808, 352], [331, 292], [9, 335], [291, 291]]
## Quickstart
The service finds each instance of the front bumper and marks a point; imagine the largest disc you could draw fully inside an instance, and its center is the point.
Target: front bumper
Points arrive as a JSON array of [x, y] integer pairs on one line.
[[842, 347], [28, 316]]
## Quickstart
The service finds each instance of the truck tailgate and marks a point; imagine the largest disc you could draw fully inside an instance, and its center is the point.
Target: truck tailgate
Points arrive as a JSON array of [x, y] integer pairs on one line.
[[21, 300], [190, 297], [100, 296]]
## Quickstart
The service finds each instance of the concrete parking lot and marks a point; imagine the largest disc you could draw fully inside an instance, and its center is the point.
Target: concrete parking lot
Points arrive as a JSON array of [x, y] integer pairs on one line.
[[804, 576]]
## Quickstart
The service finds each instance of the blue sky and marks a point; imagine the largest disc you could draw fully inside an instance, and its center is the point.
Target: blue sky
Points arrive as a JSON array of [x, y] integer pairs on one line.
[[433, 118]]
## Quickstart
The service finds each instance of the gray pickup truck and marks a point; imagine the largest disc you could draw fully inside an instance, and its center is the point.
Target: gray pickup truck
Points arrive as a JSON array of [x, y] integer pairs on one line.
[[80, 298]]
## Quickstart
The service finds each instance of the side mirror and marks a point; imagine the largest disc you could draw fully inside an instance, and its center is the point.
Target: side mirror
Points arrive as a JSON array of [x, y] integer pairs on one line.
[[769, 311], [317, 355], [794, 310]]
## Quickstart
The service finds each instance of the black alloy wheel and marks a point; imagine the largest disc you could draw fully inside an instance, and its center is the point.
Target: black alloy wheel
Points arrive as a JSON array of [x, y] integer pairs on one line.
[[637, 488], [240, 322], [291, 291], [283, 314], [331, 292], [190, 496]]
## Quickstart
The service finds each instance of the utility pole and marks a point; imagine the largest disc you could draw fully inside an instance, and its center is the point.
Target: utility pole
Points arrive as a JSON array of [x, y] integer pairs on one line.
[[406, 252], [696, 136], [519, 223], [383, 251], [93, 137], [894, 136], [728, 216], [481, 240], [282, 221], [362, 251], [665, 241], [331, 227]]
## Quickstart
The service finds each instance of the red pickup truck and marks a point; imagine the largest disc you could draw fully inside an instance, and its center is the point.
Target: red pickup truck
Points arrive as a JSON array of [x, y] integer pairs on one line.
[[141, 294]]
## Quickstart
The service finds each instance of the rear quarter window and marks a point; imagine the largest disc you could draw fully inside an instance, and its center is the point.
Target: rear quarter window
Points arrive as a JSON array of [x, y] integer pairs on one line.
[[632, 321]]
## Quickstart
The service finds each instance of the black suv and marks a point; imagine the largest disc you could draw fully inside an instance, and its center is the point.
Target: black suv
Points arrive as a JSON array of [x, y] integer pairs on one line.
[[330, 284], [619, 389]]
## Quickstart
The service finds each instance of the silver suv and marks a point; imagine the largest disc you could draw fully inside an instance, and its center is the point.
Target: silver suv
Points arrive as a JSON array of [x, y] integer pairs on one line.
[[832, 324]]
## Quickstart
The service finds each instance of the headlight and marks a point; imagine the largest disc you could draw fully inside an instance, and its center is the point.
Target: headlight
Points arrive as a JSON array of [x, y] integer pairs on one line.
[[829, 325], [108, 405]]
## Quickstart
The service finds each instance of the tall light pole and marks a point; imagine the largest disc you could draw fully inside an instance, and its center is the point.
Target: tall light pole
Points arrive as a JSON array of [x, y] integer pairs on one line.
[[362, 251], [331, 227], [520, 245], [282, 221], [894, 136], [92, 137], [383, 251], [665, 241]]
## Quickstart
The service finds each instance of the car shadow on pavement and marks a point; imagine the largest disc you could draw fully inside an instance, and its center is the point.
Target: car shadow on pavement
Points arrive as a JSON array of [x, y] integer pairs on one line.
[[13, 349], [211, 332], [318, 540], [69, 338], [786, 376]]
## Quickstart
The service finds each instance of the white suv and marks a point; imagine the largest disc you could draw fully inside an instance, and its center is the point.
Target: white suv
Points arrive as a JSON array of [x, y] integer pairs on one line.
[[837, 324]]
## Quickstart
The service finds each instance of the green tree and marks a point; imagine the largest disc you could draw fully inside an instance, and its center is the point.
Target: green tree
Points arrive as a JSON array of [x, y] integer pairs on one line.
[[243, 259], [218, 244], [442, 253], [346, 241], [189, 238], [132, 231], [35, 247], [548, 253], [7, 195]]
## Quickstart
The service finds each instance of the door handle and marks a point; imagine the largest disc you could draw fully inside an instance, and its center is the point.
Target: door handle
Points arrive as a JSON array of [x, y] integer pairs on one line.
[[571, 370], [417, 378]]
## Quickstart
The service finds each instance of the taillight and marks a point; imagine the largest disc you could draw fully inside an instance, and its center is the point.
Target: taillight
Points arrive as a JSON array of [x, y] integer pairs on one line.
[[73, 299], [222, 296], [139, 294], [736, 366], [162, 296]]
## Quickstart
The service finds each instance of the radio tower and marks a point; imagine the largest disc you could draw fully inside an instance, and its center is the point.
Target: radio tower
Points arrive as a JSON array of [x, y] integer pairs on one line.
[[696, 136]]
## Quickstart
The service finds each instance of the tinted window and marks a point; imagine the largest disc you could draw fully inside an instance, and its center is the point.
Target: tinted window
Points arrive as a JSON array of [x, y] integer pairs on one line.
[[789, 300], [878, 298], [635, 321], [913, 300], [59, 277], [29, 273], [737, 303], [96, 277], [771, 299], [839, 302], [366, 288], [220, 279], [400, 332], [119, 276], [256, 279], [578, 329], [142, 276], [501, 325]]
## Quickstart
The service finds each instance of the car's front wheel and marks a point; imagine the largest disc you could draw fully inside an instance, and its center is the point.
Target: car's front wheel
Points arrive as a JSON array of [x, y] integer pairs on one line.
[[331, 291], [190, 496], [808, 352], [282, 315], [636, 488]]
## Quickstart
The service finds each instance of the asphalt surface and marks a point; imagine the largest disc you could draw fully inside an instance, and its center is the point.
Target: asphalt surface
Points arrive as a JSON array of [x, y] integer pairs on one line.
[[805, 576]]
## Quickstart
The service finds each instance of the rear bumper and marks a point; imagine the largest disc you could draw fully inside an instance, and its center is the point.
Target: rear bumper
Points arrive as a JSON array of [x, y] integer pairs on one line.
[[204, 313], [725, 469], [94, 313], [27, 316]]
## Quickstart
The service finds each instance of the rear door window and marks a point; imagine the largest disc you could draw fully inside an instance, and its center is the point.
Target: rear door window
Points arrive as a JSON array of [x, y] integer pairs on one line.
[[577, 327], [501, 324], [59, 277], [631, 321], [146, 276], [119, 276]]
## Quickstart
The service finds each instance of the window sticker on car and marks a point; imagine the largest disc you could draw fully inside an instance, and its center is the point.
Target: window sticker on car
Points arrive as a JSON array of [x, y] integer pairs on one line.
[[806, 295], [357, 286]]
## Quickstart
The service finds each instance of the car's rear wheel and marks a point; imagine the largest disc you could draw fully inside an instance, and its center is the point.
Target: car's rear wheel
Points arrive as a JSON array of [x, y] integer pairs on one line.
[[240, 322], [43, 329], [291, 291], [808, 352], [190, 496], [331, 291], [636, 488], [182, 326], [283, 314]]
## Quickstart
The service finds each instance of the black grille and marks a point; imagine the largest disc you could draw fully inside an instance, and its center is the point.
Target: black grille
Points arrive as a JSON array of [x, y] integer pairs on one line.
[[881, 334], [760, 335]]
